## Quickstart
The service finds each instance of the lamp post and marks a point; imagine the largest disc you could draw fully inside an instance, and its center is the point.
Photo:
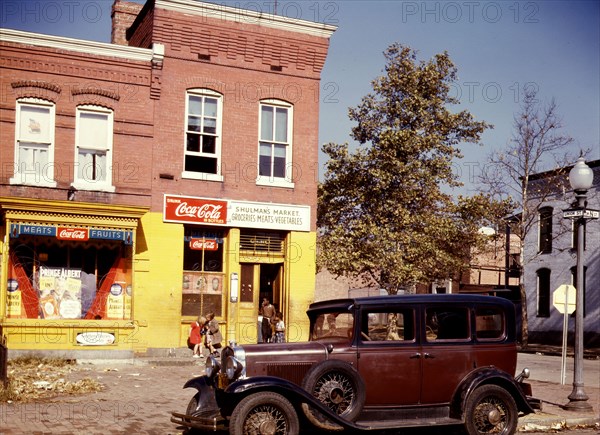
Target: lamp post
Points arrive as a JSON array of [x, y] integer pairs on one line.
[[581, 178]]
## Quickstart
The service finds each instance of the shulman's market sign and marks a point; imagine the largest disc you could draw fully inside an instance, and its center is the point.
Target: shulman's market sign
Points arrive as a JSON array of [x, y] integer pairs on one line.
[[241, 214]]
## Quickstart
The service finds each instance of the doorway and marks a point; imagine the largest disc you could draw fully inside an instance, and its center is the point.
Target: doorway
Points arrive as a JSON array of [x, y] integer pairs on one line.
[[270, 284]]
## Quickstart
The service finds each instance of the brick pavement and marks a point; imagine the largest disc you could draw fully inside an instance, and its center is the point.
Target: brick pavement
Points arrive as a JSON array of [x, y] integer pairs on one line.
[[139, 396]]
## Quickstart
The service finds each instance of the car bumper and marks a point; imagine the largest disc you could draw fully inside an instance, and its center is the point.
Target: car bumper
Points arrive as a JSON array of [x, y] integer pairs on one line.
[[208, 421]]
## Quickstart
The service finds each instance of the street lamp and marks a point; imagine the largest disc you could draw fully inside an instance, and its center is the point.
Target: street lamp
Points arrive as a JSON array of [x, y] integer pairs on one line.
[[581, 178]]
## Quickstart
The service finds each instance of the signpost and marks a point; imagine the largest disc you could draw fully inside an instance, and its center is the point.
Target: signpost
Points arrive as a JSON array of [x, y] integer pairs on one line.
[[564, 300]]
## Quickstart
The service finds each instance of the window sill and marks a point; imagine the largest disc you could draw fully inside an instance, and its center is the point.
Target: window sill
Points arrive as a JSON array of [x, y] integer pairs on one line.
[[274, 182], [22, 180], [79, 185], [202, 176]]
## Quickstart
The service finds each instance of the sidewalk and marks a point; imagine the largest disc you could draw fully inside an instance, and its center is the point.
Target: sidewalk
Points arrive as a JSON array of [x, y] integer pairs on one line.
[[546, 384], [140, 394]]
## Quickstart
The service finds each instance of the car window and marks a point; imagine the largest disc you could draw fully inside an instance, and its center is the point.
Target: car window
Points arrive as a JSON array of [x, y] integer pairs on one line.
[[447, 323], [380, 325], [489, 323], [337, 325]]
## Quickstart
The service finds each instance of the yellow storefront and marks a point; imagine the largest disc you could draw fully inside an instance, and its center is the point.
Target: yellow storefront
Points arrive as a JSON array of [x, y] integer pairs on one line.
[[80, 278]]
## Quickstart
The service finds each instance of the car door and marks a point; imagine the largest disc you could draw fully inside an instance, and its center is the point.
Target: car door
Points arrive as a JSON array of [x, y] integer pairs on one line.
[[447, 351], [389, 356]]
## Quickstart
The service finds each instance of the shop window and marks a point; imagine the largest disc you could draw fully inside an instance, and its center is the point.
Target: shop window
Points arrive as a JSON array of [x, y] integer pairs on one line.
[[54, 279], [202, 152], [93, 154], [34, 142], [203, 276], [545, 230], [275, 144], [543, 293]]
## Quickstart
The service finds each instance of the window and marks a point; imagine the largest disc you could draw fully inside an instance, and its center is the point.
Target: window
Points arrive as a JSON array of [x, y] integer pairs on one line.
[[55, 279], [202, 272], [543, 293], [545, 219], [202, 153], [93, 151], [34, 142], [489, 324], [275, 144], [388, 326], [447, 324]]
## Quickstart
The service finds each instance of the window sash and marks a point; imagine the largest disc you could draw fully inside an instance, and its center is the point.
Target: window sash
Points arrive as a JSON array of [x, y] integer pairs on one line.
[[274, 141], [202, 152], [93, 152]]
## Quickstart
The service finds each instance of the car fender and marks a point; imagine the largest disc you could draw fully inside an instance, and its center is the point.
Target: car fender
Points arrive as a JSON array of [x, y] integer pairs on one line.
[[244, 387], [207, 398], [482, 376]]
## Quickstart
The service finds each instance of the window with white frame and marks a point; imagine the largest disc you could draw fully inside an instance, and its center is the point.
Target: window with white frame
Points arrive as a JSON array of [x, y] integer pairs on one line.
[[202, 153], [275, 144], [93, 150], [34, 142]]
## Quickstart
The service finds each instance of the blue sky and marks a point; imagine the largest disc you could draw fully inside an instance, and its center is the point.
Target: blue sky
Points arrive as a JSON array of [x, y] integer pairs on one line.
[[498, 47]]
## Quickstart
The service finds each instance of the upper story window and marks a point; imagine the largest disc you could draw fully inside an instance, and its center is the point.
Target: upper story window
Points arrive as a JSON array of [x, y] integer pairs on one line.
[[543, 293], [275, 144], [202, 153], [93, 148], [34, 142], [545, 230]]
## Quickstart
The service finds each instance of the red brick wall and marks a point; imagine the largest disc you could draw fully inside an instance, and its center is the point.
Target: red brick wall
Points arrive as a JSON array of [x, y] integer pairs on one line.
[[123, 15], [71, 79]]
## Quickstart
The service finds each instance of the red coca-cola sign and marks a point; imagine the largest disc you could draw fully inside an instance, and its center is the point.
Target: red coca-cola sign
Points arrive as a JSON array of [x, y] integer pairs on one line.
[[195, 210], [77, 234], [199, 244]]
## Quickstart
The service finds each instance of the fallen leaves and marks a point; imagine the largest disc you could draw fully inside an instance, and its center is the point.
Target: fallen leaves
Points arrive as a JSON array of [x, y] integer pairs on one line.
[[32, 378]]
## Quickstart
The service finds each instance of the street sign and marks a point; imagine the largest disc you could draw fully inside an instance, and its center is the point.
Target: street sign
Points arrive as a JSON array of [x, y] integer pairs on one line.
[[587, 213], [564, 298]]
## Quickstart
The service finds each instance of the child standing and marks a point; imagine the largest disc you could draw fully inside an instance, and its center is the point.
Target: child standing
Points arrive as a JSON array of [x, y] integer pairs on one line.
[[279, 328], [196, 336]]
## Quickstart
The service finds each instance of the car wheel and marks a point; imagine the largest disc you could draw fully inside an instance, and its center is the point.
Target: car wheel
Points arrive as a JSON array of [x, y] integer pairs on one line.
[[491, 409], [264, 413], [338, 386]]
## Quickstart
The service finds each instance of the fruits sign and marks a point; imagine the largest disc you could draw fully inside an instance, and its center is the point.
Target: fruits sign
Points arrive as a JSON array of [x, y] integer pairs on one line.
[[195, 210]]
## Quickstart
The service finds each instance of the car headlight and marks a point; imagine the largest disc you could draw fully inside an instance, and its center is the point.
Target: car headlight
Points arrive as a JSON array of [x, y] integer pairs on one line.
[[212, 367], [233, 368]]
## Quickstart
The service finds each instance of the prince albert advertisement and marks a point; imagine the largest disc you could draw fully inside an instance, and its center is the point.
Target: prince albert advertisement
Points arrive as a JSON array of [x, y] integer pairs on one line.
[[60, 292]]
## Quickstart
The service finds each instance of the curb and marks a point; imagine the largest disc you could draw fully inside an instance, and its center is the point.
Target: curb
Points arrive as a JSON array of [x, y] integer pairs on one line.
[[544, 422]]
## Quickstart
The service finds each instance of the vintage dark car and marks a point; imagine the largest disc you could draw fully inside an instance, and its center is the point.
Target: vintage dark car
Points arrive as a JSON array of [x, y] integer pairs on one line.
[[372, 363]]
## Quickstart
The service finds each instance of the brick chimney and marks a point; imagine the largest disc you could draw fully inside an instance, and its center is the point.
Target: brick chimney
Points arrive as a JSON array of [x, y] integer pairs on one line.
[[123, 15]]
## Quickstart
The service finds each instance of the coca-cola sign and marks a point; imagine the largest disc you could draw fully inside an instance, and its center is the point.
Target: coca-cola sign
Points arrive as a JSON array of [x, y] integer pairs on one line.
[[195, 210], [77, 234], [199, 244]]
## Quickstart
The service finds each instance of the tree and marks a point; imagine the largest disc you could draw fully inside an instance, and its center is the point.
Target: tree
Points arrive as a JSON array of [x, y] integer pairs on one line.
[[536, 143], [382, 209]]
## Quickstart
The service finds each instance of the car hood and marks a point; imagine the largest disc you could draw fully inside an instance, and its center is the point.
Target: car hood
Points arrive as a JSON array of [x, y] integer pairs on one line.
[[290, 361]]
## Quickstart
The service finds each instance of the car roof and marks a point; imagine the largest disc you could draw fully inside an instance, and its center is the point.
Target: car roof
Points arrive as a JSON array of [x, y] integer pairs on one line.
[[411, 299]]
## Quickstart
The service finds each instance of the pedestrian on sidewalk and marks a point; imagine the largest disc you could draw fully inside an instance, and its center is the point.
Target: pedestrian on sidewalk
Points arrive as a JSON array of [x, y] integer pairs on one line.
[[195, 336], [213, 337]]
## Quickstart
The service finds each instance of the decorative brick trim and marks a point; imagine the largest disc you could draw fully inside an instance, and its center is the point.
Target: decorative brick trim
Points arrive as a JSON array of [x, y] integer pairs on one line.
[[36, 89], [96, 91]]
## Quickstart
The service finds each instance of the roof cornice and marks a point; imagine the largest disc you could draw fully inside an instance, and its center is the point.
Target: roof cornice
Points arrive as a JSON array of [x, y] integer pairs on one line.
[[227, 13], [76, 45]]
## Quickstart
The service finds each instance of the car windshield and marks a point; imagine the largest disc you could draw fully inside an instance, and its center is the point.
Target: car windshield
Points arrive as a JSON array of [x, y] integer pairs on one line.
[[332, 325]]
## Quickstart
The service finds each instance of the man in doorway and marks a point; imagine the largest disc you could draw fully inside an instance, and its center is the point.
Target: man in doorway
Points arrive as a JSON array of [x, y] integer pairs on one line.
[[268, 312]]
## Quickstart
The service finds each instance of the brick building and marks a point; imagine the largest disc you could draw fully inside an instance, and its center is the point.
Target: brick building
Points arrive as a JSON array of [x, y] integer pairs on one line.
[[168, 174]]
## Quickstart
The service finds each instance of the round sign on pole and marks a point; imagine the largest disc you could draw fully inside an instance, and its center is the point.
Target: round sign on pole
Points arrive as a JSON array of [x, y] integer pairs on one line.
[[564, 298]]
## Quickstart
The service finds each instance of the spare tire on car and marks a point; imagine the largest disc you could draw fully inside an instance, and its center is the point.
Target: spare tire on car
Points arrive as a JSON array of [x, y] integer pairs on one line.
[[338, 386]]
